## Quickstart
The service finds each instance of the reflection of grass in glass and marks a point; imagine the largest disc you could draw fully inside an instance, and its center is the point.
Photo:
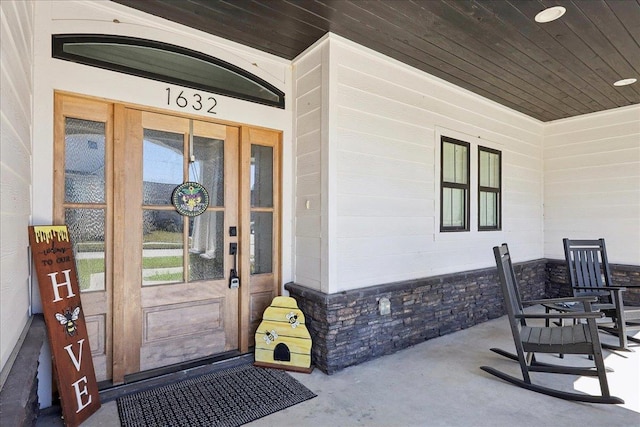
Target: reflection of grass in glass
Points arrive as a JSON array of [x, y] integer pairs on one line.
[[162, 240], [155, 240], [165, 277], [162, 262], [90, 246], [163, 236], [87, 267], [152, 263]]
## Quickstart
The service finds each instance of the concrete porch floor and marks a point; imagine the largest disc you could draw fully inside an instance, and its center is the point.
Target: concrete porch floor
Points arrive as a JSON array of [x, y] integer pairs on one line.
[[439, 383]]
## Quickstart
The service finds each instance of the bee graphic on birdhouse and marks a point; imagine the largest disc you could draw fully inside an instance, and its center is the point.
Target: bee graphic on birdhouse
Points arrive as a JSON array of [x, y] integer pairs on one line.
[[269, 337], [283, 320], [293, 319], [68, 320]]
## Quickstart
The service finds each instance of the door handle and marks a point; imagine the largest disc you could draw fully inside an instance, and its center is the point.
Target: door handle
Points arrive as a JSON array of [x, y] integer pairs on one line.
[[234, 279]]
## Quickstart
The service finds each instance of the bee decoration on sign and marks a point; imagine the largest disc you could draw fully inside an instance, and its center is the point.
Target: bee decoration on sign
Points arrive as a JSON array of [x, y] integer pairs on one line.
[[270, 336], [293, 319], [68, 320]]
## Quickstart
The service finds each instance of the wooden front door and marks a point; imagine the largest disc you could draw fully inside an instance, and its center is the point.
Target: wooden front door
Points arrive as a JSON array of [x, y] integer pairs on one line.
[[156, 284], [175, 303]]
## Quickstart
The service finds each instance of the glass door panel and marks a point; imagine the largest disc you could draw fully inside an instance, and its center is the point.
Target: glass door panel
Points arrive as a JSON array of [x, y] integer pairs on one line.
[[261, 242], [261, 176], [162, 167], [84, 161], [162, 243], [207, 167], [84, 189], [206, 256], [86, 227], [162, 227], [165, 155], [261, 209], [206, 231]]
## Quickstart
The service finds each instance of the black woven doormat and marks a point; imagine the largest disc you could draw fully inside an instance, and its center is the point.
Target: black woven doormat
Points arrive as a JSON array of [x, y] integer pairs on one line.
[[231, 397]]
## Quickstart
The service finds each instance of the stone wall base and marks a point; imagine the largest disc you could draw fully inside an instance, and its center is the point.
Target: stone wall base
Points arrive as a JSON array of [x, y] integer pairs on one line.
[[622, 275], [347, 329]]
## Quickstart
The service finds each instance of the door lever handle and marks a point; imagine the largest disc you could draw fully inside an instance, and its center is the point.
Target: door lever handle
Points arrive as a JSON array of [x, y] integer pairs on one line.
[[234, 279]]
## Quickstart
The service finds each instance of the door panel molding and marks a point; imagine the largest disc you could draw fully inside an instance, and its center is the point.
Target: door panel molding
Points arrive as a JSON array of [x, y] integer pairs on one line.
[[182, 319]]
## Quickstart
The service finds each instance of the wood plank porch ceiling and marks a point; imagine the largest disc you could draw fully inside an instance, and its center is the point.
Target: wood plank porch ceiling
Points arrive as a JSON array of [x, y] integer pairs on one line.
[[495, 48]]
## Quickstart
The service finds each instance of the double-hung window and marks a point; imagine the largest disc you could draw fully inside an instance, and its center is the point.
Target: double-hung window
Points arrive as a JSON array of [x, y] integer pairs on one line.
[[470, 181], [454, 206], [489, 189]]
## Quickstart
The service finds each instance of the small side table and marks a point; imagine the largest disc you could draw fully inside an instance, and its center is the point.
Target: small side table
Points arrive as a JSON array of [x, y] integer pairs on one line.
[[563, 307]]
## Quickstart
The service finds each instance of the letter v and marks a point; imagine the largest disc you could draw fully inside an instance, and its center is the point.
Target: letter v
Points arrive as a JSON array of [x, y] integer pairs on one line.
[[76, 361]]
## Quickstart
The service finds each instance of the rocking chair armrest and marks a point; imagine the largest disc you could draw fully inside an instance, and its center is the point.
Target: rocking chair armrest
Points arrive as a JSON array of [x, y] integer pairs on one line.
[[562, 315], [558, 300], [601, 288]]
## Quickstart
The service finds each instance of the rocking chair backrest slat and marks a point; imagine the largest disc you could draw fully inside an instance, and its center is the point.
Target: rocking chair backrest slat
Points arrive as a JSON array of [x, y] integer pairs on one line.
[[586, 265]]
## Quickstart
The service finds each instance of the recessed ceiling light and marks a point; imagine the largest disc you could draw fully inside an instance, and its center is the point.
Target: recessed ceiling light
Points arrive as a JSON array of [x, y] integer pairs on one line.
[[625, 82], [550, 14]]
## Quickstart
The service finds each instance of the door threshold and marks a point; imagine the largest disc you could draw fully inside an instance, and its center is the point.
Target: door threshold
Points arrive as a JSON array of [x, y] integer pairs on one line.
[[171, 374]]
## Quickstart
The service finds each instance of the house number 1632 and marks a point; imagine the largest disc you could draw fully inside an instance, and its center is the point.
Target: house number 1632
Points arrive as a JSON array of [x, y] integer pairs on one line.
[[196, 101]]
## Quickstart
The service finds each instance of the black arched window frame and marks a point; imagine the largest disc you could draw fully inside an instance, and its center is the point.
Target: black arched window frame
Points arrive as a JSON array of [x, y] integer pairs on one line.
[[59, 40]]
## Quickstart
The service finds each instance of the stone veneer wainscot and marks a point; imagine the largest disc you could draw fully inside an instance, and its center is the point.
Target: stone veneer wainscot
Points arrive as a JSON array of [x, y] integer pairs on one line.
[[347, 329]]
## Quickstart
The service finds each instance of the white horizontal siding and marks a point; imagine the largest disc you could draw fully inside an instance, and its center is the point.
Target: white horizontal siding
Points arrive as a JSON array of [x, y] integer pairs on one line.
[[309, 208], [614, 173], [382, 226], [375, 123], [308, 165], [16, 95], [385, 135], [592, 182], [373, 185]]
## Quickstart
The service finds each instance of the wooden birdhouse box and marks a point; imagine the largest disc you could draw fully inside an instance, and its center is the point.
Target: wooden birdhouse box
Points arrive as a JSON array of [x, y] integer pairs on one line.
[[282, 339]]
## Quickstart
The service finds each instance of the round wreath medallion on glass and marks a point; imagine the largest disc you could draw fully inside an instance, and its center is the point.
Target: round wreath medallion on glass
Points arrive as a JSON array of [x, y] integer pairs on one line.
[[190, 198]]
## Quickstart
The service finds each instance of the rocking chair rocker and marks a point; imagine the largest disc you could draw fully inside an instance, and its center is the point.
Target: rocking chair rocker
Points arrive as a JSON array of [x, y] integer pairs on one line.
[[579, 338]]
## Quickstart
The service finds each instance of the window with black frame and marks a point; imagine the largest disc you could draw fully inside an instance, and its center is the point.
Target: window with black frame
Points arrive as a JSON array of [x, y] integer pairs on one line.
[[489, 189], [167, 63], [454, 177]]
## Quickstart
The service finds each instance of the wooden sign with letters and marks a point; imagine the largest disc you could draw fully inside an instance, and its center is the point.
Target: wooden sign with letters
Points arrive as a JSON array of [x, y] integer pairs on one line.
[[60, 294]]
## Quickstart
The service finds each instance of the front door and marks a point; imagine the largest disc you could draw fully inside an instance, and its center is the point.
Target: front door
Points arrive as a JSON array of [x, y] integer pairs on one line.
[[156, 284], [175, 269]]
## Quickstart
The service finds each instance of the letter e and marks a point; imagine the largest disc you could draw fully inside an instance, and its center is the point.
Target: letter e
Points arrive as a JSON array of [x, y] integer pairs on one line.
[[80, 393]]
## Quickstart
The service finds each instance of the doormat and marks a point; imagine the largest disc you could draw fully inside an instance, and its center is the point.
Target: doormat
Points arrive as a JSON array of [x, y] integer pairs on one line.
[[230, 397]]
